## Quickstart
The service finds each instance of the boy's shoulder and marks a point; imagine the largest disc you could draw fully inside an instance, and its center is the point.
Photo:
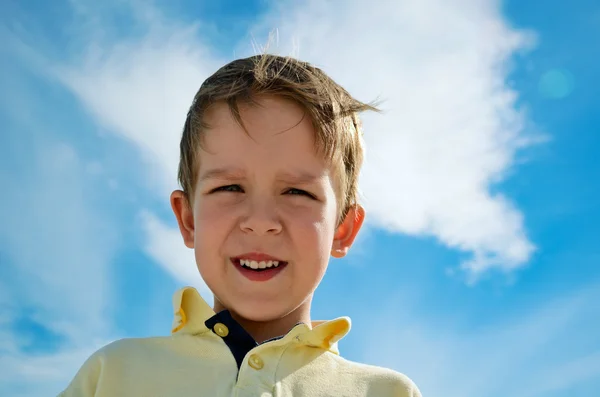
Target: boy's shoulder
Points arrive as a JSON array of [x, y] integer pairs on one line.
[[153, 365], [125, 351], [377, 378], [129, 346], [123, 362], [128, 351]]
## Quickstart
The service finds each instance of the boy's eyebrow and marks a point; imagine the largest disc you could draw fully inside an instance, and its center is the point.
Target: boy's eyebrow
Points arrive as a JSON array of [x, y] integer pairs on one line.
[[301, 177], [221, 173]]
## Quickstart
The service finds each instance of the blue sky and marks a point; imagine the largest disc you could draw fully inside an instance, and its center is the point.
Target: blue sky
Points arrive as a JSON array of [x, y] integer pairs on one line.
[[477, 273]]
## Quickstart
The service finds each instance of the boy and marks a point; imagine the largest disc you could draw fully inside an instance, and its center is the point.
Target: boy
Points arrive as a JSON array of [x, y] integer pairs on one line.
[[270, 156]]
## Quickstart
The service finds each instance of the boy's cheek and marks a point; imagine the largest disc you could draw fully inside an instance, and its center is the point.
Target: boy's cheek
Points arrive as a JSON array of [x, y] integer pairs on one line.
[[214, 213]]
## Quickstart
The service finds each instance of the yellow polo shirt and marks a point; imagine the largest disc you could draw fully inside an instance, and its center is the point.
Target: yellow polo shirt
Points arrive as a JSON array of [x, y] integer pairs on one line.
[[210, 354]]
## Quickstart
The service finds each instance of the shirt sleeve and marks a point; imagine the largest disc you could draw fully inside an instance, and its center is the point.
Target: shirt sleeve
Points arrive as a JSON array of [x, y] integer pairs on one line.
[[415, 392], [85, 382]]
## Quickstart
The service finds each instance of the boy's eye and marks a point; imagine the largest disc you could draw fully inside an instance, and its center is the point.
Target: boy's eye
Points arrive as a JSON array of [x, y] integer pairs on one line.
[[238, 188], [295, 192], [228, 188]]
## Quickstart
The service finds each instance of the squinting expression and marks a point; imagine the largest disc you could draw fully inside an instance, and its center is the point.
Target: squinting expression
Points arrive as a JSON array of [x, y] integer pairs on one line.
[[265, 197]]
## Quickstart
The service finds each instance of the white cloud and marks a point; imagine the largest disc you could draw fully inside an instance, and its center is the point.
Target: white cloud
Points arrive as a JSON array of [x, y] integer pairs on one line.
[[142, 89], [451, 129], [533, 354]]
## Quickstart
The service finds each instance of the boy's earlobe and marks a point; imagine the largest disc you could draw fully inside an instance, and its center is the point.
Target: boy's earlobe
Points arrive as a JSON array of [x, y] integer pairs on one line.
[[347, 231], [185, 217]]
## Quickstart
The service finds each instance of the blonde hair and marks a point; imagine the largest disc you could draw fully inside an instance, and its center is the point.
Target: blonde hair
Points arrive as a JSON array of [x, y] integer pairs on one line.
[[333, 111]]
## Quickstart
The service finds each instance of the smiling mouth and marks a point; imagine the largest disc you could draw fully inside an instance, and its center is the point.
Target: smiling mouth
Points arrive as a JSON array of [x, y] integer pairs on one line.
[[258, 266]]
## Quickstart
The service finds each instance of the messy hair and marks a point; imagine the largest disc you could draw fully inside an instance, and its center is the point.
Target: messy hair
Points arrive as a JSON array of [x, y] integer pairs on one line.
[[332, 110]]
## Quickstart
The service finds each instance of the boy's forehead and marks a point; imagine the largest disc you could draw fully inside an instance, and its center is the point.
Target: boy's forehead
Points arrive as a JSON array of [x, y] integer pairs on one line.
[[266, 113], [271, 124], [279, 137]]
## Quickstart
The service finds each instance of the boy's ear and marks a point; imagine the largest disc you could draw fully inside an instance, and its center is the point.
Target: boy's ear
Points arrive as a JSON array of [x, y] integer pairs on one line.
[[347, 231], [185, 217]]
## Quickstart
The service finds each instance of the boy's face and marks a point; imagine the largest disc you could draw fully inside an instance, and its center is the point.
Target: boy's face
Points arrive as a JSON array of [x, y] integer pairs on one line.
[[268, 196]]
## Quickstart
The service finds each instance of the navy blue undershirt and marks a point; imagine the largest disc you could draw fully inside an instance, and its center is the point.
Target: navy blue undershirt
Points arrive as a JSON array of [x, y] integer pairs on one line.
[[239, 341]]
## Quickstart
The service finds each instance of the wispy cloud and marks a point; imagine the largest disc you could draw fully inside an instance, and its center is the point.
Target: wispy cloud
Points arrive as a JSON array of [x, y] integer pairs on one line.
[[55, 275], [450, 133], [451, 128], [42, 375], [45, 234], [523, 354], [141, 89]]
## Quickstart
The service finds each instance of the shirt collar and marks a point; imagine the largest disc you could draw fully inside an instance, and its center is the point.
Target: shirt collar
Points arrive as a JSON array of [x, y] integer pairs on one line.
[[191, 313]]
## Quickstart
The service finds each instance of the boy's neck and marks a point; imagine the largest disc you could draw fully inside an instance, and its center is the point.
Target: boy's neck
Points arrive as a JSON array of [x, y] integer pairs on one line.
[[264, 330]]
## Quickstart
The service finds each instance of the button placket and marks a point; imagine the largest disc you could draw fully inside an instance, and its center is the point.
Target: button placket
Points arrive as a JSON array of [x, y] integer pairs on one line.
[[257, 372], [256, 362]]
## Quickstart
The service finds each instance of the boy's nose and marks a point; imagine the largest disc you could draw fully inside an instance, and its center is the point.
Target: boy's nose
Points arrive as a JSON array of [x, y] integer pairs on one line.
[[261, 219]]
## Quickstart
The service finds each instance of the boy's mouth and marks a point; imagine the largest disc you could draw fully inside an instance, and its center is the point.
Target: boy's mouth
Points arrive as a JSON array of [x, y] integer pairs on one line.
[[258, 267]]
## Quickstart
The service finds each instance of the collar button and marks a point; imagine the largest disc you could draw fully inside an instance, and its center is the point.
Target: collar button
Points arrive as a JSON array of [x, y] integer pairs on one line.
[[221, 330]]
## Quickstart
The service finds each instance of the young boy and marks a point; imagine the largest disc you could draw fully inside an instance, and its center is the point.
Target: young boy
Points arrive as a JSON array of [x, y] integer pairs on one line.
[[270, 156]]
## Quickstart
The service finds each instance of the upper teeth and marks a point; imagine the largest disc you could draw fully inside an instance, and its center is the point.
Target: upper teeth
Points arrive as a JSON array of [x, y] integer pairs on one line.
[[258, 265]]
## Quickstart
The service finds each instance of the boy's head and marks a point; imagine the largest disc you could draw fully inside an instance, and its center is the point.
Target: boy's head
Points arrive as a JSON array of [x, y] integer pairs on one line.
[[270, 157]]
